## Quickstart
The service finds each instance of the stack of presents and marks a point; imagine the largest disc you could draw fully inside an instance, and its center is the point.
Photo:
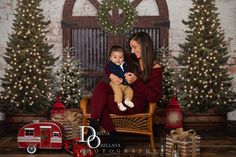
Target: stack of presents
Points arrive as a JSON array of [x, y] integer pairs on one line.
[[70, 120]]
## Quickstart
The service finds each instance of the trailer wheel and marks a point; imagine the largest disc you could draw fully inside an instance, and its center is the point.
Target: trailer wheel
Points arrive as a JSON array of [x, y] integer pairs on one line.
[[31, 149]]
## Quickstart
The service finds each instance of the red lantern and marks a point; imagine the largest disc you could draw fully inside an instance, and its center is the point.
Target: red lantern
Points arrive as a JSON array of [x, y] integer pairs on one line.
[[58, 108], [173, 114]]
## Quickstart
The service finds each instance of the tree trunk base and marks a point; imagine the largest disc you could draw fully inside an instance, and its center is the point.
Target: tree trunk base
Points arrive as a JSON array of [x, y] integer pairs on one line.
[[16, 121], [204, 121], [231, 128]]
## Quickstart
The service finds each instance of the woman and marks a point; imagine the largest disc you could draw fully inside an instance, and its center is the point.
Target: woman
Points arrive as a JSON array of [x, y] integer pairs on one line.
[[145, 79]]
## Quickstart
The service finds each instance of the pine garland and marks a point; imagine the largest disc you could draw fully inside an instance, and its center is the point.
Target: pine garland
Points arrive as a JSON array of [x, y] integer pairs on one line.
[[129, 16]]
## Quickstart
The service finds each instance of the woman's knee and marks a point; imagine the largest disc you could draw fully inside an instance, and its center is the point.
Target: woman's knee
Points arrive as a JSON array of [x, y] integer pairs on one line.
[[101, 87]]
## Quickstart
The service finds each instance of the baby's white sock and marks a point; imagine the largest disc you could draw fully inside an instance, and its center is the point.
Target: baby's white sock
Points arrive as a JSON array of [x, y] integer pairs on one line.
[[122, 107], [129, 103]]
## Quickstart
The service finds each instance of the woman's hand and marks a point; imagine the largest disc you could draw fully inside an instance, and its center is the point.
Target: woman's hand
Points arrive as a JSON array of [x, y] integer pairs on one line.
[[130, 77], [115, 79]]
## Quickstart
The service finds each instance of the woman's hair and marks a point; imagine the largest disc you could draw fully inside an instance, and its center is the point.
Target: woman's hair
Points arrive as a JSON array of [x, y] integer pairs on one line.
[[147, 53]]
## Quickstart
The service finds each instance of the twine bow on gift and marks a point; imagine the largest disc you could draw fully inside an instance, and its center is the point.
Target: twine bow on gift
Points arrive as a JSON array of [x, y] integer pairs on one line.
[[180, 134], [72, 117]]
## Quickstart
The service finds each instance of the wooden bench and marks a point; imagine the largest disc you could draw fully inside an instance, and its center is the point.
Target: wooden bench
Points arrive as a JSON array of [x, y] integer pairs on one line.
[[135, 123]]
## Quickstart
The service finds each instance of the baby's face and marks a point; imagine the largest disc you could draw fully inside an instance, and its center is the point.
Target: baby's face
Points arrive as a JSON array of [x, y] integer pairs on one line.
[[117, 57]]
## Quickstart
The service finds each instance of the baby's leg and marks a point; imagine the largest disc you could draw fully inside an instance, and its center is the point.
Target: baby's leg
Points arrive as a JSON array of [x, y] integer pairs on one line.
[[118, 96], [128, 94]]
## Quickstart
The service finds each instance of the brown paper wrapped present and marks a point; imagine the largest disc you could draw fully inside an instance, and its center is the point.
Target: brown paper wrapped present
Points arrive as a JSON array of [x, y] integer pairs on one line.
[[188, 143], [71, 120]]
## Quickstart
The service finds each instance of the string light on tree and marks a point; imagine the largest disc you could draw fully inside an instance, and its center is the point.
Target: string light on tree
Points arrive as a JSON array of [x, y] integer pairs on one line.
[[169, 75], [205, 70], [71, 84], [19, 83]]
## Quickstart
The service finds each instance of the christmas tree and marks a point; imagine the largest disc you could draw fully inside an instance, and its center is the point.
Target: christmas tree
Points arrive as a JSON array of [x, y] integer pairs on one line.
[[28, 78], [169, 76], [205, 82], [71, 82]]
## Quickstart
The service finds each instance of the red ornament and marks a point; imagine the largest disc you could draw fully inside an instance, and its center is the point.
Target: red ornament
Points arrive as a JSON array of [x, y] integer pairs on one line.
[[58, 108], [173, 114]]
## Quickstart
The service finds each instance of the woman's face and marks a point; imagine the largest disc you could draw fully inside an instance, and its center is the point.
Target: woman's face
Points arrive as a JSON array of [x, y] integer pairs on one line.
[[135, 48]]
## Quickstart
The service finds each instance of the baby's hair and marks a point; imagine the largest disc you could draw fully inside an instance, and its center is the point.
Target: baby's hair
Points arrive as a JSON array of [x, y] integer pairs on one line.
[[117, 48]]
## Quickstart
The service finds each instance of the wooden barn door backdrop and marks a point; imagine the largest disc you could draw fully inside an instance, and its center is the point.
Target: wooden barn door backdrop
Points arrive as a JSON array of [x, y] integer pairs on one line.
[[92, 44]]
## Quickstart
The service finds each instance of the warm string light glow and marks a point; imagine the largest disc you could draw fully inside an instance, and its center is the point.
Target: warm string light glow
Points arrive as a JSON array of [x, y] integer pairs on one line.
[[23, 72], [70, 80]]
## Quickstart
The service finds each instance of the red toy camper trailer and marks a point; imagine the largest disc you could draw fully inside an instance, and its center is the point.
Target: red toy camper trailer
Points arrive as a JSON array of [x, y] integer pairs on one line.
[[40, 135], [48, 135]]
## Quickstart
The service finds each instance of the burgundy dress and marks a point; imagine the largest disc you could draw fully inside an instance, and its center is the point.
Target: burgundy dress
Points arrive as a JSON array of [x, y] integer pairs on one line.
[[102, 100]]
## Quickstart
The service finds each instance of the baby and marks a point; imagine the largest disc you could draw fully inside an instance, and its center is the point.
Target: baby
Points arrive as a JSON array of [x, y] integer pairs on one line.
[[119, 67]]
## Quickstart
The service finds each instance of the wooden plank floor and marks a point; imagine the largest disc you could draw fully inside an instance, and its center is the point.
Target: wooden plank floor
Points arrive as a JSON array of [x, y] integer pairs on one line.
[[213, 143]]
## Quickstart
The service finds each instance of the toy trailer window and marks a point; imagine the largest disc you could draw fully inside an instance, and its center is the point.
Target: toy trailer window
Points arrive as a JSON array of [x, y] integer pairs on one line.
[[55, 134], [29, 131]]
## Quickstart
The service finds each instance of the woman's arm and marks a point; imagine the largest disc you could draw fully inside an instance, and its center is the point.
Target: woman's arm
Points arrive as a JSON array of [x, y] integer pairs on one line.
[[151, 90]]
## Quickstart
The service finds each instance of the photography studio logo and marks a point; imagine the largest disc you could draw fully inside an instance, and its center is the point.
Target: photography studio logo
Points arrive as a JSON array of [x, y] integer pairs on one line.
[[93, 141]]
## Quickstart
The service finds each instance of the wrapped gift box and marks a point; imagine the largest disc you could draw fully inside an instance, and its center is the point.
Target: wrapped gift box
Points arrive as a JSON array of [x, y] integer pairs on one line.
[[71, 120], [188, 143]]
